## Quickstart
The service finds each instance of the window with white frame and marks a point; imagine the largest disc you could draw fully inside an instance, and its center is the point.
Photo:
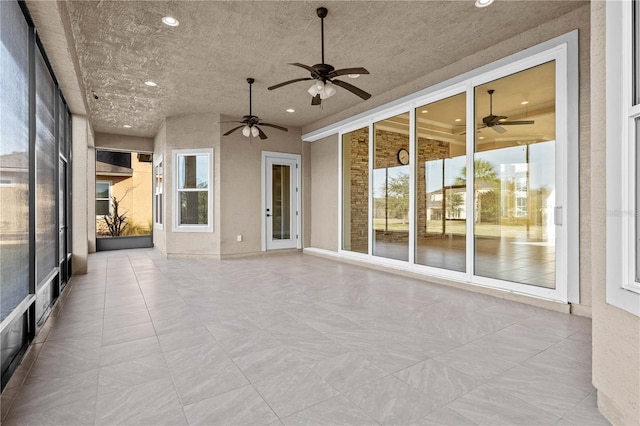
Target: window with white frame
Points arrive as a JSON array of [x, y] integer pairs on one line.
[[103, 198], [158, 189], [193, 190], [623, 156]]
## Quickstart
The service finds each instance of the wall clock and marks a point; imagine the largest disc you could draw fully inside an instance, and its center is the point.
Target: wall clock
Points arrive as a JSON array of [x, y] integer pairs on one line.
[[403, 156]]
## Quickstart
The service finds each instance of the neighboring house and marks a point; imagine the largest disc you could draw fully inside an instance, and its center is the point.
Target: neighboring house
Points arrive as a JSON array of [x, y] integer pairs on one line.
[[126, 177]]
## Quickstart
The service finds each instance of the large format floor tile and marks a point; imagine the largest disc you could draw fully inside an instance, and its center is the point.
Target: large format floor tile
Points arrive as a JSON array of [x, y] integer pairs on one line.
[[294, 340]]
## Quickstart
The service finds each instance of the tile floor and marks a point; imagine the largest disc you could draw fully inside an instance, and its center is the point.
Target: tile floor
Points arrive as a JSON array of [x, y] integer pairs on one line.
[[295, 340]]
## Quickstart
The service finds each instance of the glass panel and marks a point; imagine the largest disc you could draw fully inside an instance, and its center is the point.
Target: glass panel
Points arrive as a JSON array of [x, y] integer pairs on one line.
[[14, 158], [124, 194], [158, 192], [355, 191], [102, 207], [514, 177], [636, 51], [441, 184], [637, 200], [391, 188], [102, 190], [62, 190], [193, 171], [281, 201], [193, 208], [46, 159]]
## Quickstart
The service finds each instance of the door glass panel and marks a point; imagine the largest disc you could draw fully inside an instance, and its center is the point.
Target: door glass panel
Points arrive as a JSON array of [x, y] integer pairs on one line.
[[514, 177], [355, 191], [441, 184], [391, 188], [62, 208], [281, 201]]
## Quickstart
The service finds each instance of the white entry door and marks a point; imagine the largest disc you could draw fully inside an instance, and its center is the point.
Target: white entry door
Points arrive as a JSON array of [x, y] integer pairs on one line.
[[281, 201]]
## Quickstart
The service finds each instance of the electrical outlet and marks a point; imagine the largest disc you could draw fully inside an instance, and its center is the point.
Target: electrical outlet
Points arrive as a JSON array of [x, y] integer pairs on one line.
[[239, 238]]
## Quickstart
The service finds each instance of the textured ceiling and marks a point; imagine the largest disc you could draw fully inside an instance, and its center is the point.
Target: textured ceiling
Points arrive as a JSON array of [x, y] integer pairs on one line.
[[202, 65]]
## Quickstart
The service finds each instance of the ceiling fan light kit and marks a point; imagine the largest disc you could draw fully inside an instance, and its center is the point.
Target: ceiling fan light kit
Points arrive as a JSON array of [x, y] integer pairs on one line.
[[325, 74], [249, 123]]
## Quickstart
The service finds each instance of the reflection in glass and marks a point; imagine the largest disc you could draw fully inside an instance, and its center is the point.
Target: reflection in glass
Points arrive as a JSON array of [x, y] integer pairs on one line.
[[514, 178], [193, 183], [194, 208], [391, 189], [281, 201], [46, 177], [441, 184], [355, 191], [14, 159]]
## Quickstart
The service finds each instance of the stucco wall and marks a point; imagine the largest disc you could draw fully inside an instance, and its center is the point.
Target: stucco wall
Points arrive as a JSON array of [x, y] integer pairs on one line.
[[123, 143], [191, 132], [159, 232], [79, 226], [324, 197], [616, 333], [241, 183]]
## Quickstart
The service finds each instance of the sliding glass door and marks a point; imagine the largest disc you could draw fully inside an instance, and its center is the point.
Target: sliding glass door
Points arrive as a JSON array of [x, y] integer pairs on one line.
[[466, 184]]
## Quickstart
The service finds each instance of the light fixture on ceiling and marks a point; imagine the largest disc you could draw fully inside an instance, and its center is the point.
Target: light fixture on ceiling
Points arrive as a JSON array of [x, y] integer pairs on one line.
[[325, 90], [250, 131], [353, 75], [291, 110], [424, 111], [483, 3], [524, 102], [458, 119], [170, 21], [481, 137], [151, 83], [126, 126]]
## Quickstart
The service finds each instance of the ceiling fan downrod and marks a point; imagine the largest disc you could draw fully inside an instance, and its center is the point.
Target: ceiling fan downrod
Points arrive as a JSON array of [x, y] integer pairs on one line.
[[322, 13], [250, 81]]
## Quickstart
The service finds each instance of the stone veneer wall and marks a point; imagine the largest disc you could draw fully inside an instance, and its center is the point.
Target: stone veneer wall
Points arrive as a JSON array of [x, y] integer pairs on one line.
[[359, 181], [387, 145]]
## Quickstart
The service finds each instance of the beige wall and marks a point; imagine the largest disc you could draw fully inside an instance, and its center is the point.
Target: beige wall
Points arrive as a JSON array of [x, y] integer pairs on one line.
[[159, 232], [324, 197], [191, 132], [80, 130], [241, 184], [616, 333], [123, 143]]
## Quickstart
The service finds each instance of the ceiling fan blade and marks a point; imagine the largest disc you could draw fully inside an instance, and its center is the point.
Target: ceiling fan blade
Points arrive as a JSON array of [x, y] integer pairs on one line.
[[233, 130], [316, 100], [346, 71], [353, 89], [515, 123], [295, 80], [499, 129], [284, 129], [306, 67], [261, 133], [220, 122]]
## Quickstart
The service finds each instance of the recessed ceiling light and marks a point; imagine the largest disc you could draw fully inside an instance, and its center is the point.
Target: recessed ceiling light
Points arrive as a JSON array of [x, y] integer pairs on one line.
[[170, 21], [126, 126], [483, 3], [502, 119], [524, 102], [481, 137], [151, 83], [353, 75], [458, 119], [424, 111], [291, 110]]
